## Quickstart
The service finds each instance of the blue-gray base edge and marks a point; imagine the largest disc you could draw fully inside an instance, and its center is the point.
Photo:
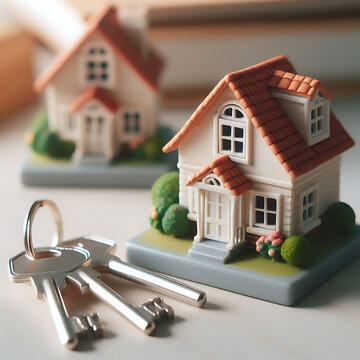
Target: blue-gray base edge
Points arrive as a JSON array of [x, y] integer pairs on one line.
[[139, 176], [284, 290]]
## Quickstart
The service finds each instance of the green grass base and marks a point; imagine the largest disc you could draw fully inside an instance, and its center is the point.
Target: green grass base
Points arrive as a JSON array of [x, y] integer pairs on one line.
[[322, 245]]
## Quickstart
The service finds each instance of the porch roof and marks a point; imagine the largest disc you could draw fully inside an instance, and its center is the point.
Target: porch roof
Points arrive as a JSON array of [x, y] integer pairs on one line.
[[233, 179], [94, 93]]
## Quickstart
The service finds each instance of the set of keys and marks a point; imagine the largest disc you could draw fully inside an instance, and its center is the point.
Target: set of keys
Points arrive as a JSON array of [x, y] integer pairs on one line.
[[81, 262]]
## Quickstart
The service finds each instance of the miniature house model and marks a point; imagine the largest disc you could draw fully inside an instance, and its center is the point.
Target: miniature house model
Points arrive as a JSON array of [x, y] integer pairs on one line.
[[102, 93], [260, 154]]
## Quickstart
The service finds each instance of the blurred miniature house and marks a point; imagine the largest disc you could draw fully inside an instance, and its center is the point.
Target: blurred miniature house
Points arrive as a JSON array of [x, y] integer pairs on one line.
[[103, 92], [260, 154]]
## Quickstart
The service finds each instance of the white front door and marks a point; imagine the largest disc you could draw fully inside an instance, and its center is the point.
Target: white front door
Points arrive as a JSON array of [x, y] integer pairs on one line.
[[95, 133], [217, 216]]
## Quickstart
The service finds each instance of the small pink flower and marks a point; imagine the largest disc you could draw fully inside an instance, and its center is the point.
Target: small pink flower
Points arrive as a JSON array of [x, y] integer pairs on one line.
[[271, 237], [259, 248], [260, 240], [277, 242], [271, 252], [268, 241], [277, 234]]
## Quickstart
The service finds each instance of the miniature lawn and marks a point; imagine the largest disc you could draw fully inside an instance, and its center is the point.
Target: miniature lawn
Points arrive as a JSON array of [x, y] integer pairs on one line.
[[40, 159], [322, 245]]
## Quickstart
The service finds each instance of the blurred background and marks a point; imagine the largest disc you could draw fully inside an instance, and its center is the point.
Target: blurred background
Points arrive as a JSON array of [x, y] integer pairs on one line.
[[201, 41]]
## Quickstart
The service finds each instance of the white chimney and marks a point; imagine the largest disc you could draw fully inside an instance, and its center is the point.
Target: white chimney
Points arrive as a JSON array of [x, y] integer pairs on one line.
[[135, 22]]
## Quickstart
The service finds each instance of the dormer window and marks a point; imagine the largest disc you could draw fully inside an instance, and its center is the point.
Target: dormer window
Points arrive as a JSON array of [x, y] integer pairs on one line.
[[233, 133], [319, 118], [97, 67]]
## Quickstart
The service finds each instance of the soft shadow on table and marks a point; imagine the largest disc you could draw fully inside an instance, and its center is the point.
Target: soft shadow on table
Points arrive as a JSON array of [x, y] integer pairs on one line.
[[89, 344], [343, 284]]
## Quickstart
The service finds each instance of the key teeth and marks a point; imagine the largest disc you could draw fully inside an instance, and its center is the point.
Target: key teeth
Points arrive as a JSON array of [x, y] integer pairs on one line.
[[158, 309], [88, 325]]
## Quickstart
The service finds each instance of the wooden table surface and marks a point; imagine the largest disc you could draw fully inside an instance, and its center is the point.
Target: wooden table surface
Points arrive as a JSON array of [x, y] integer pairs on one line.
[[325, 325]]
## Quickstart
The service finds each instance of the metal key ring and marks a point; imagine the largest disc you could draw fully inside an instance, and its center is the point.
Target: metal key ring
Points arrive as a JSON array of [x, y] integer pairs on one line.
[[58, 236]]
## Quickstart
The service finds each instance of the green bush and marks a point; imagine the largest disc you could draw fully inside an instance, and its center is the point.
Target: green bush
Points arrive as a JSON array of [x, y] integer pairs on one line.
[[339, 218], [153, 147], [165, 191], [48, 142], [296, 250], [175, 221]]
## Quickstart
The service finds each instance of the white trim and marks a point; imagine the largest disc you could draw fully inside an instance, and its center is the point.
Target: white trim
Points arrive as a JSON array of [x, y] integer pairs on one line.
[[242, 122], [108, 57], [278, 212], [289, 97], [323, 134], [309, 225]]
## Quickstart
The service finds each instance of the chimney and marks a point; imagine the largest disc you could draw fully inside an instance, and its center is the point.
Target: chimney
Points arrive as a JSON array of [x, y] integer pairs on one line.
[[135, 23]]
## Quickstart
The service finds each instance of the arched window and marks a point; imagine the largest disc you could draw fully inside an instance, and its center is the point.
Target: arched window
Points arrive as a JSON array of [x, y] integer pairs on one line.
[[212, 180], [232, 132], [98, 64]]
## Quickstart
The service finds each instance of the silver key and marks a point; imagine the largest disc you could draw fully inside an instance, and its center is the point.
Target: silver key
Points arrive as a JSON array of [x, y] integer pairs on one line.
[[103, 259], [48, 273], [145, 317]]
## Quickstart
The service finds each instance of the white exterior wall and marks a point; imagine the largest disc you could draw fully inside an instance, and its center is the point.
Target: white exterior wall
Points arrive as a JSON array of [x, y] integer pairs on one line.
[[199, 148], [129, 89], [326, 178]]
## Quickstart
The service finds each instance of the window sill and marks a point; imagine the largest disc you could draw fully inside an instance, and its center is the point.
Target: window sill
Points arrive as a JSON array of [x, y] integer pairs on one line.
[[259, 231], [308, 227], [192, 216]]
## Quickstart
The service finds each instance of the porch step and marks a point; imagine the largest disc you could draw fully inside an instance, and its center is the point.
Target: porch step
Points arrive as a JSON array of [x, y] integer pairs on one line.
[[93, 160], [209, 250]]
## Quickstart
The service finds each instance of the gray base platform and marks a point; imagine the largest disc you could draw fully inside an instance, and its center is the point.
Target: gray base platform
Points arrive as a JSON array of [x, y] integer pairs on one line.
[[284, 290], [68, 175]]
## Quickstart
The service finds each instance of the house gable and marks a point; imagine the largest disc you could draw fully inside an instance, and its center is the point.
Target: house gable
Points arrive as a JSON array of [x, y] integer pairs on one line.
[[250, 87], [106, 25]]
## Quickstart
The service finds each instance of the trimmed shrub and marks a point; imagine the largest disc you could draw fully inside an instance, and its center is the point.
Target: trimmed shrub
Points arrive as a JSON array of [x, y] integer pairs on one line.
[[175, 221], [339, 218], [269, 246], [165, 191], [153, 147], [296, 250]]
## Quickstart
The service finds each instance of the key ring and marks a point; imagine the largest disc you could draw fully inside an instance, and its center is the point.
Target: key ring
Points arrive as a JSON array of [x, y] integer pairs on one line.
[[58, 236]]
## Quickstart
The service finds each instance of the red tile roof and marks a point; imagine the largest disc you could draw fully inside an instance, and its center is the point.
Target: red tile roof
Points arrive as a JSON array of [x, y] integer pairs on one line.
[[107, 25], [297, 84], [228, 172], [94, 93], [250, 87]]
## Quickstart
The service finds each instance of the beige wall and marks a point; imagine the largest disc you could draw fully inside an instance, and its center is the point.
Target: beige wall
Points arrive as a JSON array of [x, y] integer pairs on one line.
[[129, 89]]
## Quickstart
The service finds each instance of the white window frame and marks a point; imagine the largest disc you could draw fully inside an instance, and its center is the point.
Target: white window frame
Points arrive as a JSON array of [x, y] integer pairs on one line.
[[242, 123], [308, 225], [97, 58], [264, 229], [319, 102], [128, 136]]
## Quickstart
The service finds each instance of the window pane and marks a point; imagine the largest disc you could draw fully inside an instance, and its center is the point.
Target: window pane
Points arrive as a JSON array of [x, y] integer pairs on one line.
[[319, 111], [310, 211], [311, 197], [91, 76], [304, 200], [102, 51], [304, 215], [104, 76], [259, 217], [226, 130], [228, 111], [104, 64], [226, 144], [239, 147], [92, 51], [313, 128], [271, 204], [88, 120], [238, 114], [100, 120], [271, 219], [239, 132], [313, 114], [259, 202], [90, 64]]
